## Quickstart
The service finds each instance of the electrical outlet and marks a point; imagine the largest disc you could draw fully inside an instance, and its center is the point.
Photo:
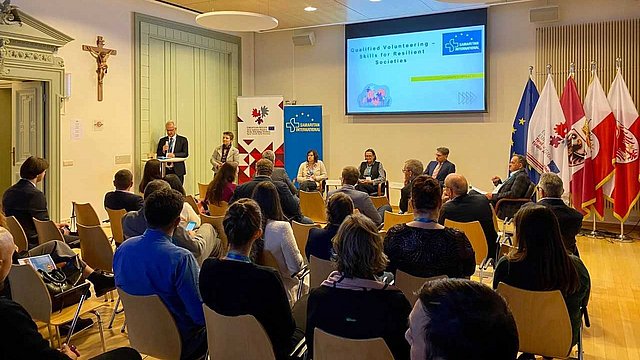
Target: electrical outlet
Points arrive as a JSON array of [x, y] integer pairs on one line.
[[67, 163]]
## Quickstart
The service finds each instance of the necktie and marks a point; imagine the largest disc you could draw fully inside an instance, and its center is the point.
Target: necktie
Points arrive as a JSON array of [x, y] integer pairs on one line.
[[436, 170], [170, 145]]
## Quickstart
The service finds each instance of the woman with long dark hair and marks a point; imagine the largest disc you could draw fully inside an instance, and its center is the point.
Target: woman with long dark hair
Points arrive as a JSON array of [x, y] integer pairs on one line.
[[542, 263], [151, 172], [312, 172], [278, 235], [221, 188]]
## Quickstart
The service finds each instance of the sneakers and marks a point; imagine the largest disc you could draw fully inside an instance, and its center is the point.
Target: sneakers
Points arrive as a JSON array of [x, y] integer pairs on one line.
[[102, 282], [81, 324]]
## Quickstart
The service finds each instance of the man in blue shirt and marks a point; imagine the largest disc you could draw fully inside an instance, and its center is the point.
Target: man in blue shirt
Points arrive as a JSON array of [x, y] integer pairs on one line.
[[151, 264]]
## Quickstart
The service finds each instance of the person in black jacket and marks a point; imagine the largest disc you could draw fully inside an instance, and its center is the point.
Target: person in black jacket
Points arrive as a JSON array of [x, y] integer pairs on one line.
[[515, 187], [122, 197], [352, 302], [174, 146], [25, 201], [235, 286], [319, 243], [411, 169]]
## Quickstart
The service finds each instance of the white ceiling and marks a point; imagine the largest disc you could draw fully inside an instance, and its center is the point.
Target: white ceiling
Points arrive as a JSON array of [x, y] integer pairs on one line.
[[291, 14]]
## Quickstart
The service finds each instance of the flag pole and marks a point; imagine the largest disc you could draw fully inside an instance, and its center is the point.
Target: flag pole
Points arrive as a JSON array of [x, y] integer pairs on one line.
[[622, 237]]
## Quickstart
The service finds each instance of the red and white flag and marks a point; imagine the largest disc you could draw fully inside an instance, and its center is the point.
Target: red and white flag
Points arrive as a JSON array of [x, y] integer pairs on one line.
[[603, 133], [625, 188], [583, 189]]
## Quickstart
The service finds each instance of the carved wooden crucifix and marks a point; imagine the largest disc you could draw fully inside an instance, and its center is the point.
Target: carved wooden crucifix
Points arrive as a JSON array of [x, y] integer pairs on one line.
[[101, 55]]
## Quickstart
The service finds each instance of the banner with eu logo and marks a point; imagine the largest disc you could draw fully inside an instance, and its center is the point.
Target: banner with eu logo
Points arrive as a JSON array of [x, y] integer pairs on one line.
[[302, 132]]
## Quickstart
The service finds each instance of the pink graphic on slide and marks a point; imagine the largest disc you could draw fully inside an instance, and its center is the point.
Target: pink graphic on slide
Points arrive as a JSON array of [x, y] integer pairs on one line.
[[374, 96]]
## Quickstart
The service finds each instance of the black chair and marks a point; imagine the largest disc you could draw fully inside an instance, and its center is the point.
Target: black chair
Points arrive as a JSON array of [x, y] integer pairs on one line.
[[511, 206]]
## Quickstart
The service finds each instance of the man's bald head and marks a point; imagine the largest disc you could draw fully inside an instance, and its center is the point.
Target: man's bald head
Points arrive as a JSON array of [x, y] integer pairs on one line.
[[7, 247], [457, 184]]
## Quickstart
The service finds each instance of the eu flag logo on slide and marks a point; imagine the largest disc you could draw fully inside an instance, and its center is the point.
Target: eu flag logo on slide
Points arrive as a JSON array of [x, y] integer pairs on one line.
[[462, 42]]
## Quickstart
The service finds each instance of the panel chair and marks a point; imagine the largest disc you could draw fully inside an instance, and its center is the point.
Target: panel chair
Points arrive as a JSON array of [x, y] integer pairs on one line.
[[115, 219], [319, 270], [17, 232], [391, 219], [331, 347], [96, 248], [152, 329], [202, 190], [379, 201], [542, 319], [301, 234], [28, 290], [86, 215], [218, 210], [192, 201], [216, 222], [236, 337], [312, 206], [515, 203], [478, 241], [47, 231], [410, 285]]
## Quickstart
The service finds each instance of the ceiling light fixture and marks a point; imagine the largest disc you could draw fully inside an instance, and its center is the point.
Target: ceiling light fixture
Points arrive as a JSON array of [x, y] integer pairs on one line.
[[375, 0], [240, 21], [310, 9]]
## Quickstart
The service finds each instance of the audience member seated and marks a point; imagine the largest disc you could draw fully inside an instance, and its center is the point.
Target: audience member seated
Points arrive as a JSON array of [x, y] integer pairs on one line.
[[289, 203], [461, 319], [319, 243], [371, 174], [152, 265], [440, 167], [361, 200], [550, 189], [221, 188], [201, 244], [26, 202], [279, 173], [151, 172], [188, 214], [411, 169], [19, 336], [352, 302], [278, 236], [423, 247], [311, 173], [122, 197], [515, 187], [235, 286], [542, 263], [464, 207]]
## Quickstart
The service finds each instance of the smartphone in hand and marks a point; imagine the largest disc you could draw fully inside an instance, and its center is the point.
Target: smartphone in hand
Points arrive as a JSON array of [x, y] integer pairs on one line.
[[190, 226]]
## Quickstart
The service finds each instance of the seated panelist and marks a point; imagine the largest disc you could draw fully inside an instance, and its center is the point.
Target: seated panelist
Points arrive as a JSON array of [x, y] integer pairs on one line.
[[371, 174]]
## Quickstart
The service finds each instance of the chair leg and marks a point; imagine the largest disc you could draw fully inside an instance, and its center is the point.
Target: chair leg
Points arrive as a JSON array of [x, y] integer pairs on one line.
[[124, 325], [113, 315], [104, 344], [50, 335], [58, 336]]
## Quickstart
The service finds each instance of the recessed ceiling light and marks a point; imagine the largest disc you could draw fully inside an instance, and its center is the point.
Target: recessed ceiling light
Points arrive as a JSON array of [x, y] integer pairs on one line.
[[375, 0], [310, 9]]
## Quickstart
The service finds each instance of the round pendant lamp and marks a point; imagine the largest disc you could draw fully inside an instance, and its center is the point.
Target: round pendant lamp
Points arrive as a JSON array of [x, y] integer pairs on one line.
[[240, 21]]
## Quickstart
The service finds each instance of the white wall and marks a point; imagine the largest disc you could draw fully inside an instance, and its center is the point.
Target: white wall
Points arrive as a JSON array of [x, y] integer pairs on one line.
[[93, 156], [479, 143]]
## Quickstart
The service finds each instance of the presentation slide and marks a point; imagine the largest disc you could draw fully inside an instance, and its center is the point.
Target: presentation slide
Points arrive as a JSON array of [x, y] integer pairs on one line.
[[428, 71]]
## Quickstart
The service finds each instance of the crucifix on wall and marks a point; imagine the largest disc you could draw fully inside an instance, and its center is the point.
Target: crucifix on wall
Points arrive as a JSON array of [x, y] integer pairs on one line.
[[101, 55]]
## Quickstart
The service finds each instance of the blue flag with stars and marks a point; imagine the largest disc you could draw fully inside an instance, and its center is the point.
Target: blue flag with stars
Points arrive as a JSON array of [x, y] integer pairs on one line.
[[521, 124]]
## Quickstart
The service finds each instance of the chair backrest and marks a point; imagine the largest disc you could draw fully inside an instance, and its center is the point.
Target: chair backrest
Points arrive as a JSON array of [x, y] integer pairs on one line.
[[542, 319], [16, 230], [202, 190], [476, 236], [312, 206], [216, 222], [530, 190], [28, 290], [319, 270], [115, 219], [331, 347], [301, 233], [391, 219], [152, 329], [266, 258], [192, 201], [410, 285], [379, 201], [47, 231], [86, 215], [218, 210], [96, 248], [236, 337]]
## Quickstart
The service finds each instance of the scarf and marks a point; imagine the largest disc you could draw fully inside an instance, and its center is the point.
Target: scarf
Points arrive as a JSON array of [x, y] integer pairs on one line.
[[338, 280]]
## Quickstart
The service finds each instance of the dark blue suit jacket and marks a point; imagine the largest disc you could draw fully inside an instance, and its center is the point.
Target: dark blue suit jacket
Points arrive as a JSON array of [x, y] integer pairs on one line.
[[180, 150], [447, 168]]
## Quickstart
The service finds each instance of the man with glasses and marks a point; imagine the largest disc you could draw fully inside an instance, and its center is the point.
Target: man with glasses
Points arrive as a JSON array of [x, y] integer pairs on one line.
[[411, 169], [440, 167], [172, 146]]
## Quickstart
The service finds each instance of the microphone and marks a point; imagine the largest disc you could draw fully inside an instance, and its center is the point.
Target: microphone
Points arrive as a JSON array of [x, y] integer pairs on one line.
[[166, 143]]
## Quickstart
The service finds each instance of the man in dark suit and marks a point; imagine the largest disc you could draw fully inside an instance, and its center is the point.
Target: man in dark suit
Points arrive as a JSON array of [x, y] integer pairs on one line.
[[122, 198], [550, 187], [172, 146], [440, 167], [515, 187], [290, 204], [361, 200], [25, 201], [411, 169], [464, 207], [279, 173]]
